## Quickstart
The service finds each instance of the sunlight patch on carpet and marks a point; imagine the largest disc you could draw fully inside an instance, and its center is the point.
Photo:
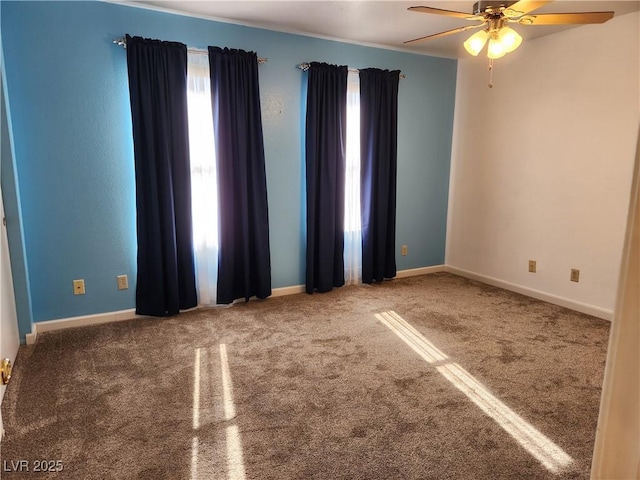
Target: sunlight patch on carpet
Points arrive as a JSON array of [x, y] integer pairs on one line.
[[196, 414], [194, 458], [538, 445], [235, 463], [196, 390], [227, 388]]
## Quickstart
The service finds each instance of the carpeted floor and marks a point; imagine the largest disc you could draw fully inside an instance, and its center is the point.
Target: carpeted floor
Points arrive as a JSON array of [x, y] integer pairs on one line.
[[312, 387]]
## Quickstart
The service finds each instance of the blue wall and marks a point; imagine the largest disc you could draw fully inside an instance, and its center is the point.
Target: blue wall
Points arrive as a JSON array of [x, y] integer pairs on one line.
[[67, 85]]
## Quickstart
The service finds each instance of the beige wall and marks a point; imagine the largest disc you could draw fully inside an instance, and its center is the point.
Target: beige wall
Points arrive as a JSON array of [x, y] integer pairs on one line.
[[542, 164]]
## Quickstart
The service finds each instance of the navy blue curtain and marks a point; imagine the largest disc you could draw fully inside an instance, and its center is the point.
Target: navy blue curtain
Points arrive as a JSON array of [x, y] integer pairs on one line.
[[378, 157], [244, 265], [158, 90], [326, 125]]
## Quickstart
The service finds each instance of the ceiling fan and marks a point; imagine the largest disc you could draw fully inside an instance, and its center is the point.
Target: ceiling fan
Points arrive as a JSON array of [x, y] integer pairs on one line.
[[494, 15]]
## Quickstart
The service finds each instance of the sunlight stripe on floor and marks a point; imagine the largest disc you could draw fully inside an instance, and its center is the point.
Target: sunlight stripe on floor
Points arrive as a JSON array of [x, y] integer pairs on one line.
[[196, 390], [196, 414], [227, 389], [194, 458], [411, 337], [537, 444], [235, 463], [552, 457]]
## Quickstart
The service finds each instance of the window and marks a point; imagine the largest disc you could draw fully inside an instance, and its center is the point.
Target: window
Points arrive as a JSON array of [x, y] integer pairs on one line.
[[352, 215], [204, 181]]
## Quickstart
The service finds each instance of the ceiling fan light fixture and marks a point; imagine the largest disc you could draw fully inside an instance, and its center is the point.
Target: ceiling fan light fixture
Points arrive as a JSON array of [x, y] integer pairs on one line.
[[494, 15], [496, 49], [509, 38], [475, 43]]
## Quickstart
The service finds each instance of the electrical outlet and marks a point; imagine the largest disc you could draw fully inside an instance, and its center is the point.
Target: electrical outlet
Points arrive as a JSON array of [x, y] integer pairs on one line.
[[123, 282], [404, 250], [78, 287], [575, 275], [532, 266]]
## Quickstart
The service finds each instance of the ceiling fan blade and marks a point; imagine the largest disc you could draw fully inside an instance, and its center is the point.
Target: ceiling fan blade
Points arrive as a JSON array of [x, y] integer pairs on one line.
[[523, 6], [439, 11], [443, 34], [566, 18]]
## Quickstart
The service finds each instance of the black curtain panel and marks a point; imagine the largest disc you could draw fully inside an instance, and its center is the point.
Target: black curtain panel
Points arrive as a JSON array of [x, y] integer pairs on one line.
[[378, 157], [326, 128], [158, 91], [244, 265]]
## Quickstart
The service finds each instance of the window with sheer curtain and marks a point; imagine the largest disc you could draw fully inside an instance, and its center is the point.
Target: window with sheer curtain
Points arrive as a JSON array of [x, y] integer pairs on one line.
[[352, 215], [204, 181]]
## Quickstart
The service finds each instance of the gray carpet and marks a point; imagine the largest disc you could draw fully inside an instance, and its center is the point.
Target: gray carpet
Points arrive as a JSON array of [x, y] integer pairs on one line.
[[321, 389]]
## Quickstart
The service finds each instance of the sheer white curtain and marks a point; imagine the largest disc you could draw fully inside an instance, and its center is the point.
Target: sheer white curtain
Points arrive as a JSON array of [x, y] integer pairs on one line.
[[352, 218], [204, 181]]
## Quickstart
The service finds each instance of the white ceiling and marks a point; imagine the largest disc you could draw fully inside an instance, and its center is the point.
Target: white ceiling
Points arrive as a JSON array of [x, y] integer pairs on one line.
[[378, 23]]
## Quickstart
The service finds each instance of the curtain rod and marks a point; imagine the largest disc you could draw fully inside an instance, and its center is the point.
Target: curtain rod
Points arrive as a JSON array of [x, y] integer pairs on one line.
[[305, 66], [122, 42]]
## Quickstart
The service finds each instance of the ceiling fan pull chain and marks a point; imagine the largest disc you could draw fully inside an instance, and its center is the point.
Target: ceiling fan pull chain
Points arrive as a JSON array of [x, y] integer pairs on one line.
[[491, 73]]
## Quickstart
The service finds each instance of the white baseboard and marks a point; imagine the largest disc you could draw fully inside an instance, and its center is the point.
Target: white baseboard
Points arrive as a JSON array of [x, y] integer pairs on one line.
[[531, 292], [420, 271], [82, 321], [85, 320], [282, 291], [30, 338]]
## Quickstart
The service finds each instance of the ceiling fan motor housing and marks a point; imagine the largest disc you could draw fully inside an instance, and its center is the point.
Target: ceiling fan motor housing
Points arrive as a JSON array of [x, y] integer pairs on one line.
[[481, 7]]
